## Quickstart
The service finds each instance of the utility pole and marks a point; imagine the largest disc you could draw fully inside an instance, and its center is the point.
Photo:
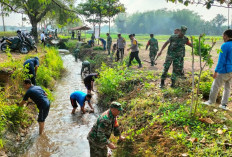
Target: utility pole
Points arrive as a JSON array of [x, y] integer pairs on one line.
[[22, 20]]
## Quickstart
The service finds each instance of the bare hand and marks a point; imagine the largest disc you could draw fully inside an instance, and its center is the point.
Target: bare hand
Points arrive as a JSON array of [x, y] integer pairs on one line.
[[112, 146], [215, 75]]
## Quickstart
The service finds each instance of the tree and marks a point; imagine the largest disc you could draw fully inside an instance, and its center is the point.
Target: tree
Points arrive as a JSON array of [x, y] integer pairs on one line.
[[114, 7], [207, 3], [37, 9]]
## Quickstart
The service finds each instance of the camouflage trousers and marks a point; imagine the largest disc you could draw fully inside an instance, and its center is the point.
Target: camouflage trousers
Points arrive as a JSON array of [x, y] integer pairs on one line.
[[96, 151], [108, 47], [182, 66], [152, 55], [176, 61]]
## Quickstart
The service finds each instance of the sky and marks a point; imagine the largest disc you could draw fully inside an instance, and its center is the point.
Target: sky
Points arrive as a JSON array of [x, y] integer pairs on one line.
[[133, 6]]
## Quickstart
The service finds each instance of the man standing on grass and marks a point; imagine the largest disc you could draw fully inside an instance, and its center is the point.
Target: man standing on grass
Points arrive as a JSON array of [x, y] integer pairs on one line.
[[134, 51], [79, 35], [101, 131], [223, 73], [89, 80], [39, 96], [109, 43], [80, 97], [32, 65], [174, 55], [177, 31], [153, 43], [121, 44]]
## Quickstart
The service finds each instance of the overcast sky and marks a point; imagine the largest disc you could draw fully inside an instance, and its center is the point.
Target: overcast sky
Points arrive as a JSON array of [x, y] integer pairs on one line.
[[133, 6]]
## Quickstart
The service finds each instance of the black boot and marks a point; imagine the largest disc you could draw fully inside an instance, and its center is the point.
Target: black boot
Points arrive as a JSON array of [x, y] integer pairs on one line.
[[162, 84], [152, 63], [173, 84]]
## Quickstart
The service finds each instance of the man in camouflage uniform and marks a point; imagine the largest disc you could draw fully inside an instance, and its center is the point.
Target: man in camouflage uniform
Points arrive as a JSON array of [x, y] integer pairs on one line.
[[85, 64], [177, 31], [100, 133], [153, 43], [109, 43], [175, 53], [121, 44]]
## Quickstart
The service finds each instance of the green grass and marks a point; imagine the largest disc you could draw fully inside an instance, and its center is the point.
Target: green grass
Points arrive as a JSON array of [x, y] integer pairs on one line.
[[14, 117]]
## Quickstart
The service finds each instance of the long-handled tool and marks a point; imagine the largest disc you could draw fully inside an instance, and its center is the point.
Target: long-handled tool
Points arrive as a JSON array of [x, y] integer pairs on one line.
[[155, 60]]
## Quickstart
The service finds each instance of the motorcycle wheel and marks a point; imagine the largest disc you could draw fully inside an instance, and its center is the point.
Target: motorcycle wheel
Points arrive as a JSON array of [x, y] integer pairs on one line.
[[23, 49], [4, 47]]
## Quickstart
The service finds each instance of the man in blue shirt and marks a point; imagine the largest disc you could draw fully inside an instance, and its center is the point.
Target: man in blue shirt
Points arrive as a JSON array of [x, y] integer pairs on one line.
[[32, 65], [39, 96], [103, 43], [80, 97], [223, 73]]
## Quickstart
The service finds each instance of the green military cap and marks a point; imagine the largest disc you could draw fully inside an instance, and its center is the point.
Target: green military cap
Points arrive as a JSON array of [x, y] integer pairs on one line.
[[116, 105], [183, 29]]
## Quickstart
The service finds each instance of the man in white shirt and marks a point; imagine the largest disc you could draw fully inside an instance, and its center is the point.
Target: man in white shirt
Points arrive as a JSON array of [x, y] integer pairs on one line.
[[42, 38]]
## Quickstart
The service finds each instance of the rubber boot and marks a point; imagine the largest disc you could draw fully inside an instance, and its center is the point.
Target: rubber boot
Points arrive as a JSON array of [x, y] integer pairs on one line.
[[162, 84], [173, 84], [152, 63]]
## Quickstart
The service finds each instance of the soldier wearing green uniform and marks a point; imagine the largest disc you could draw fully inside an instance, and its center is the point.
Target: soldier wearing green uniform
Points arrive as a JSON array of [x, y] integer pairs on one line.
[[175, 53], [100, 133], [85, 64], [109, 43], [153, 43]]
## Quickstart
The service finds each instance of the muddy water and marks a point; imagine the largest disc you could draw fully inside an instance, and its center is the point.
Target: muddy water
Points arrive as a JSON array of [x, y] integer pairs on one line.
[[65, 134]]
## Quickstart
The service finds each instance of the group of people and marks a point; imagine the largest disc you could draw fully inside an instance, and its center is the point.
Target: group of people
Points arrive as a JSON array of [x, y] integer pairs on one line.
[[100, 133], [107, 122], [78, 35]]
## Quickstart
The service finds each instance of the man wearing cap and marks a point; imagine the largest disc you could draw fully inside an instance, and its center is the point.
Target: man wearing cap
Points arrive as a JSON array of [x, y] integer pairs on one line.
[[175, 53], [153, 43], [109, 43], [80, 97], [32, 65], [101, 131], [134, 51], [121, 44], [177, 31]]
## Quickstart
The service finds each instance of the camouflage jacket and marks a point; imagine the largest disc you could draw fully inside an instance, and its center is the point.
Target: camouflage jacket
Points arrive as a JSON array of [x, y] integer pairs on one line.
[[177, 45], [102, 129], [109, 40], [153, 44]]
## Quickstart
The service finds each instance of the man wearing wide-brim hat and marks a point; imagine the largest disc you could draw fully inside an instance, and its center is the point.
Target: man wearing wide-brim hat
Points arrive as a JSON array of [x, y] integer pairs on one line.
[[175, 53], [101, 131]]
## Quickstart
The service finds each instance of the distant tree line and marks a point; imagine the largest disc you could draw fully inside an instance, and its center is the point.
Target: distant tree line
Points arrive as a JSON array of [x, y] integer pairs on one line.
[[164, 22]]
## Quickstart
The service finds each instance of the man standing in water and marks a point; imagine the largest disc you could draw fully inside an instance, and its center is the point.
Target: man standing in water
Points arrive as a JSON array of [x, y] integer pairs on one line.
[[89, 80], [39, 96], [174, 55], [101, 131], [80, 97]]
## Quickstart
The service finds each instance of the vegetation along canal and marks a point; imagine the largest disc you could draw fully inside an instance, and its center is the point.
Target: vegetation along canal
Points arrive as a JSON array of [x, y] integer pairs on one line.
[[65, 134]]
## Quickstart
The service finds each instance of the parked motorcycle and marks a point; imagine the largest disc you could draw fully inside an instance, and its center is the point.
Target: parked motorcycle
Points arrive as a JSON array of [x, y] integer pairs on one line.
[[22, 42]]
